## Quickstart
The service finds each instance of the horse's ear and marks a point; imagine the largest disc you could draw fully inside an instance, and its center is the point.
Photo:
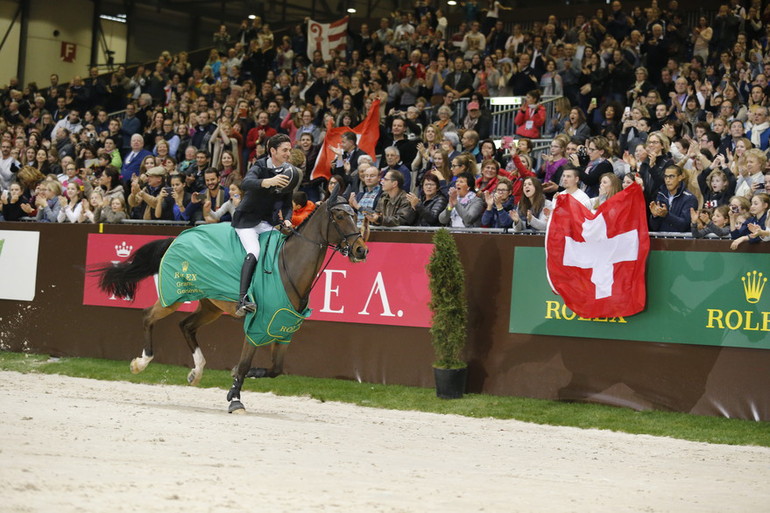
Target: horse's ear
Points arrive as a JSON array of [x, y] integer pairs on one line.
[[365, 232]]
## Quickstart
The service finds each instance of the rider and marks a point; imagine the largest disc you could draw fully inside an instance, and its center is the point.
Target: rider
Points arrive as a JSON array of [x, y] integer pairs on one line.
[[266, 202]]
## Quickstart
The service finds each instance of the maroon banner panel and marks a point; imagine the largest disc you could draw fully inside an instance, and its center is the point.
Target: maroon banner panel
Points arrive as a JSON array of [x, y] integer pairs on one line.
[[390, 288], [110, 248]]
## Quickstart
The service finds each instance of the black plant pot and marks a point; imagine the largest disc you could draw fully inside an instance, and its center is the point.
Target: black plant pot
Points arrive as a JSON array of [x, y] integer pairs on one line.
[[450, 383]]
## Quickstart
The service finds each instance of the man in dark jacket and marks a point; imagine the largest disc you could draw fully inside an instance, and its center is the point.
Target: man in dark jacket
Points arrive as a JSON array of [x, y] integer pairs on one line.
[[347, 152], [266, 202], [459, 82], [670, 212], [394, 208]]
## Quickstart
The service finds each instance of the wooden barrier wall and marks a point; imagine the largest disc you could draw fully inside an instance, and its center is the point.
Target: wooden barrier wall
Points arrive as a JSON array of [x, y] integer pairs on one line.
[[706, 380]]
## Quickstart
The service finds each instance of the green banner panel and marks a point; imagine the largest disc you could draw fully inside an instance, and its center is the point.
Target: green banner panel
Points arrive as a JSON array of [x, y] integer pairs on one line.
[[714, 299]]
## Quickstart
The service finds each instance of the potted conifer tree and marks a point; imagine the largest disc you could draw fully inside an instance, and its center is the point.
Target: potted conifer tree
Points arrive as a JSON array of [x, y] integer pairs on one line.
[[450, 311]]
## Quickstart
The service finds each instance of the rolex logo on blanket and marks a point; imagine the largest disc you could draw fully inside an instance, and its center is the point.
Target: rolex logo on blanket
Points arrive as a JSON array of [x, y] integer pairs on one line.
[[597, 261]]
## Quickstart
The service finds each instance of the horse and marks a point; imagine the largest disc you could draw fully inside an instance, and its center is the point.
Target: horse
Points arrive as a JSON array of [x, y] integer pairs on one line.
[[332, 225]]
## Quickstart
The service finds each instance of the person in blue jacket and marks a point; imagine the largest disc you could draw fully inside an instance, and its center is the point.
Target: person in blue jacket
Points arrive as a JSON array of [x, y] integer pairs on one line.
[[670, 210], [499, 205]]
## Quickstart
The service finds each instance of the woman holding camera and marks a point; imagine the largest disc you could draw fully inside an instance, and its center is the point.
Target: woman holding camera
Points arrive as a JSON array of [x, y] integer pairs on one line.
[[183, 204], [591, 163]]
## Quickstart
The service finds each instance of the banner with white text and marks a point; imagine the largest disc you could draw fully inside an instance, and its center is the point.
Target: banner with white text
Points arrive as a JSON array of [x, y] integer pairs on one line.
[[390, 288], [714, 299]]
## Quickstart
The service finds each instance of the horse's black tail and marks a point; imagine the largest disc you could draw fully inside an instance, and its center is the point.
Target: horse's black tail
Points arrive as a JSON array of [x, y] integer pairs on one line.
[[121, 279]]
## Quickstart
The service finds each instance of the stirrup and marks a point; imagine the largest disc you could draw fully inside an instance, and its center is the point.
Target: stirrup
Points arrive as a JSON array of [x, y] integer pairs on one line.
[[245, 306]]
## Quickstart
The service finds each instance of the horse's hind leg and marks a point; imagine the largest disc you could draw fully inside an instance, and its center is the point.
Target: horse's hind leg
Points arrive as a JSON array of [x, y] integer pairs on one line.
[[206, 313], [151, 315], [239, 374]]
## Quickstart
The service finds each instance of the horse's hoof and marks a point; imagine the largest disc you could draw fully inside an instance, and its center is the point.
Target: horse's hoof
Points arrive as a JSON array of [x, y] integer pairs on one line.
[[193, 378], [257, 372], [236, 407], [134, 367]]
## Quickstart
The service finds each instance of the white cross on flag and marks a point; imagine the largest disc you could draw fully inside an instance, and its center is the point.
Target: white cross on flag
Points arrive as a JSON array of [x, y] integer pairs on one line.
[[597, 261], [326, 37]]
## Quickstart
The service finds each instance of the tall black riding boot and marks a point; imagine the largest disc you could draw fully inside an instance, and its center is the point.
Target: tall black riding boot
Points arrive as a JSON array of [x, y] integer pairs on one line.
[[247, 271]]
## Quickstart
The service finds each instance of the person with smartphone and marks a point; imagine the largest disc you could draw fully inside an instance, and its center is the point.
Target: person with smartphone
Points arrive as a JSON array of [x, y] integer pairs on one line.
[[186, 204]]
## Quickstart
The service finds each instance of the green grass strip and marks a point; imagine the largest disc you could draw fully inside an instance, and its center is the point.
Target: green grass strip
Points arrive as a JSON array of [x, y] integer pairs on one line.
[[395, 397]]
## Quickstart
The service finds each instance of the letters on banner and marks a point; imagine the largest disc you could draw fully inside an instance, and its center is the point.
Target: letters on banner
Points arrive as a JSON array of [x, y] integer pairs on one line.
[[390, 288]]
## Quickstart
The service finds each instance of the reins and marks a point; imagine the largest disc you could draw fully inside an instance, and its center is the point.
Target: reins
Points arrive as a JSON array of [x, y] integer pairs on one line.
[[324, 244]]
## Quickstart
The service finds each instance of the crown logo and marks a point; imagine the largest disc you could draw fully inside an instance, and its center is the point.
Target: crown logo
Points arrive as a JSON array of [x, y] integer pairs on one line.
[[123, 250], [753, 285], [185, 266]]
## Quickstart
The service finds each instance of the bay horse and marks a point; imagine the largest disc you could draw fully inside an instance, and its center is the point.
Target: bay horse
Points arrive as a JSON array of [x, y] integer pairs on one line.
[[331, 225]]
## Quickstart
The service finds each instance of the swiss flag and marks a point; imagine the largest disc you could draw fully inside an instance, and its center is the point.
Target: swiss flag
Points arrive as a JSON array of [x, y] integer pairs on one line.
[[367, 132], [597, 261]]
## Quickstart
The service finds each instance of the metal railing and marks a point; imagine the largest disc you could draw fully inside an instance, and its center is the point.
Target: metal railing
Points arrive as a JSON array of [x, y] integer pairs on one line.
[[503, 111]]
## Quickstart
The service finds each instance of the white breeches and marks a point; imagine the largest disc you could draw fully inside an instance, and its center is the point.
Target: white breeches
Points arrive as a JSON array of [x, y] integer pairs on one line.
[[250, 237]]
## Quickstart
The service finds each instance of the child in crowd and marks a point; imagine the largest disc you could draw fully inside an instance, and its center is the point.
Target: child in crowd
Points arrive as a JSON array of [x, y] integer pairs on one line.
[[754, 228], [302, 208], [716, 193], [739, 211], [91, 208], [70, 213], [707, 222], [116, 213]]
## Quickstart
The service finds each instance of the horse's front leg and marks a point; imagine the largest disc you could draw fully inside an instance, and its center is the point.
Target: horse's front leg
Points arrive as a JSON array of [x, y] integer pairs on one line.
[[151, 315], [277, 352], [239, 374]]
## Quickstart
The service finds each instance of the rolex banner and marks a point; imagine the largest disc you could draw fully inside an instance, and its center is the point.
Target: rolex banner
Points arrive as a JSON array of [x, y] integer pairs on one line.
[[714, 299]]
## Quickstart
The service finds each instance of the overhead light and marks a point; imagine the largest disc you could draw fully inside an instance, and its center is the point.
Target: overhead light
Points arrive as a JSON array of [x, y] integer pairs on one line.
[[252, 16], [451, 2], [351, 10], [120, 18]]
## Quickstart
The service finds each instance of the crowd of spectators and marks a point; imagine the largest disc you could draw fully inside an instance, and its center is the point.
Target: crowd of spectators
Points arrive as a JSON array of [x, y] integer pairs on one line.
[[642, 96]]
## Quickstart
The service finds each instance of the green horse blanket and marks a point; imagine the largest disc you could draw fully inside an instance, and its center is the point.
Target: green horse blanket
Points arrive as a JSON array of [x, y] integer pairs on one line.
[[205, 262]]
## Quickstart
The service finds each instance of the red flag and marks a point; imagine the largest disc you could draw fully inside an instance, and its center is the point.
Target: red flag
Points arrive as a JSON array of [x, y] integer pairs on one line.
[[597, 261], [367, 132]]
